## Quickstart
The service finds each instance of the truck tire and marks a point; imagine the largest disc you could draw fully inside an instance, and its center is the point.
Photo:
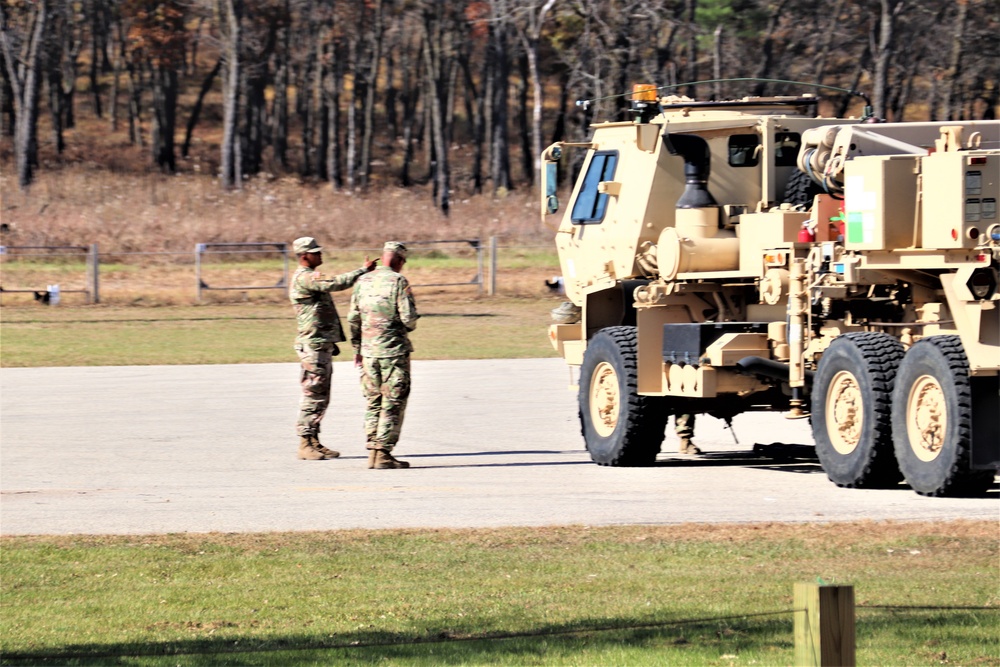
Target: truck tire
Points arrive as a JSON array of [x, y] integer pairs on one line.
[[620, 427], [800, 189], [851, 410], [932, 420]]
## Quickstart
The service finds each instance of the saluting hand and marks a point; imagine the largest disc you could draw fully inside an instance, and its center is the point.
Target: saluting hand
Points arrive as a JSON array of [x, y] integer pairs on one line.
[[369, 264]]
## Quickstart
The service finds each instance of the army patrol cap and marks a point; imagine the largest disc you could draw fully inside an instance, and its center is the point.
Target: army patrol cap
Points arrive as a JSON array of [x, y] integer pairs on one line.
[[301, 246], [395, 247]]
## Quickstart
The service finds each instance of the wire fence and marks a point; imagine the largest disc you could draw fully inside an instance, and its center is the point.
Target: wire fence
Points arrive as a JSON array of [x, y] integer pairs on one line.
[[49, 272]]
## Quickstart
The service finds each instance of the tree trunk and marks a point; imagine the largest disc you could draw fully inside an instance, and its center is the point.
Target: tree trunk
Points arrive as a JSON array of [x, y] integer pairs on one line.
[[26, 84], [7, 116], [116, 78], [96, 37], [254, 84], [828, 31], [164, 80], [767, 48], [437, 68], [533, 36], [279, 107], [391, 93], [883, 54], [524, 81], [352, 114], [717, 62], [135, 104], [333, 150], [56, 101], [368, 114], [692, 48], [304, 95], [951, 108], [409, 98], [206, 86], [500, 149], [474, 109], [231, 13]]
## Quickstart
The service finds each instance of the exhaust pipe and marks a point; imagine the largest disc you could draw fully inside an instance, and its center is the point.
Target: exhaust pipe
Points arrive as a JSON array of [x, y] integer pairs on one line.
[[767, 368]]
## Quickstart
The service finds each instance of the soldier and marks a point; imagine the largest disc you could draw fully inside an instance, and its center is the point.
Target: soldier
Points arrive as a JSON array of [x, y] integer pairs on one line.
[[382, 313], [319, 331], [684, 428]]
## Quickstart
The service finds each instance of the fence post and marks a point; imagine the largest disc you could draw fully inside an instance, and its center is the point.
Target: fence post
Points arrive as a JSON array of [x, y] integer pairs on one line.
[[493, 266], [94, 266], [198, 249], [824, 625]]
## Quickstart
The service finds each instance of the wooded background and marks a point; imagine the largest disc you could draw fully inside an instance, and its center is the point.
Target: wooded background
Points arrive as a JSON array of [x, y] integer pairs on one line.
[[366, 93]]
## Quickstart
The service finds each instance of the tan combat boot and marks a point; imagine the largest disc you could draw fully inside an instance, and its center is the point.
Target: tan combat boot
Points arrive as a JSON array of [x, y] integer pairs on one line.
[[372, 454], [385, 460], [308, 451], [328, 453], [688, 447]]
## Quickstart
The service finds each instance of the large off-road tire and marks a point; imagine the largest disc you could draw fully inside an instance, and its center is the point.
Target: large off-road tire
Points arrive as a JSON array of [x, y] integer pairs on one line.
[[932, 420], [620, 427], [851, 410], [801, 189]]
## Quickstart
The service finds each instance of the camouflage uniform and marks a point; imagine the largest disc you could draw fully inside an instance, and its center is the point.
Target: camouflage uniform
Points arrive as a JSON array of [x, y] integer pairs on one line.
[[382, 313], [316, 344], [684, 428]]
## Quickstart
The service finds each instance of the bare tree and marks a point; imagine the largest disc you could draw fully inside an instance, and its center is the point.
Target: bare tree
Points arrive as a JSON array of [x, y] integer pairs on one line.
[[159, 41], [883, 46], [530, 20], [22, 50], [954, 72], [230, 13], [440, 64], [376, 38]]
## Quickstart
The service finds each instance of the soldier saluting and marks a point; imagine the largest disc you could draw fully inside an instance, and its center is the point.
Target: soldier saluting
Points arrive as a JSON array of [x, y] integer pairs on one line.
[[382, 314]]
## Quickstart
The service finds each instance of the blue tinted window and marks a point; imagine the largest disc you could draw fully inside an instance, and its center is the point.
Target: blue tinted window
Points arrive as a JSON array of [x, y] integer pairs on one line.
[[590, 204]]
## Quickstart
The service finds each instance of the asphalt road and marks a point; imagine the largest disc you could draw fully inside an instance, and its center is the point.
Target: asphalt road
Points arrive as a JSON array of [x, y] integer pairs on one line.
[[155, 449]]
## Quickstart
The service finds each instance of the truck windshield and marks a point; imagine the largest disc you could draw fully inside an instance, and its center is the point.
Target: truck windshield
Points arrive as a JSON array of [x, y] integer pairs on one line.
[[590, 204]]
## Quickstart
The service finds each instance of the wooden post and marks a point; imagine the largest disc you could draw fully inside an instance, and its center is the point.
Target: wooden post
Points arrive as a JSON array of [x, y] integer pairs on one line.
[[824, 625]]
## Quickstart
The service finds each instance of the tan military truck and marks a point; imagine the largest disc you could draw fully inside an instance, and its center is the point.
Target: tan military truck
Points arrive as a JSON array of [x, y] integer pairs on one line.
[[724, 257]]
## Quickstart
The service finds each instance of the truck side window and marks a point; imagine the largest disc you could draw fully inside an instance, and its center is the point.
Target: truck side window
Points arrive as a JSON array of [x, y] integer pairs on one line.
[[786, 148], [743, 150], [590, 204]]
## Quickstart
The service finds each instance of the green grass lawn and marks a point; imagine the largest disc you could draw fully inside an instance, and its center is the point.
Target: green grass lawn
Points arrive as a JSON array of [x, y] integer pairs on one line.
[[634, 595], [254, 333]]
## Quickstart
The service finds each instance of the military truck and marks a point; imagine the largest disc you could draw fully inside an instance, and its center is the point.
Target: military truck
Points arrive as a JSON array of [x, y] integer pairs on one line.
[[730, 256]]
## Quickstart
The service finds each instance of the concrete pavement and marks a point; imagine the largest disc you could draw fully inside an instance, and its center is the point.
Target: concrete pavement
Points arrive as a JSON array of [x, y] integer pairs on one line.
[[126, 450]]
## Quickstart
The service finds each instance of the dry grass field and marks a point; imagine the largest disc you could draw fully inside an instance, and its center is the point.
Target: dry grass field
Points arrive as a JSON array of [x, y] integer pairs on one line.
[[103, 189], [146, 226], [143, 212]]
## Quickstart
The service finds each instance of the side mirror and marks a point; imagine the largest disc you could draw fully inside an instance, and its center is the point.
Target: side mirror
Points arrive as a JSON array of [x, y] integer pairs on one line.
[[552, 203], [551, 177]]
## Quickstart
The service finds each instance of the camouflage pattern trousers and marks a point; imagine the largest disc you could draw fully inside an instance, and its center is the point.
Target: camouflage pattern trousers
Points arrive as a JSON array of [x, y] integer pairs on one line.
[[385, 383], [315, 377], [684, 426]]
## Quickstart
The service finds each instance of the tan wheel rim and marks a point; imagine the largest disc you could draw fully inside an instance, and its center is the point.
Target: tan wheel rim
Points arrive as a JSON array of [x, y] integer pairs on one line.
[[605, 399], [844, 412], [926, 418]]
